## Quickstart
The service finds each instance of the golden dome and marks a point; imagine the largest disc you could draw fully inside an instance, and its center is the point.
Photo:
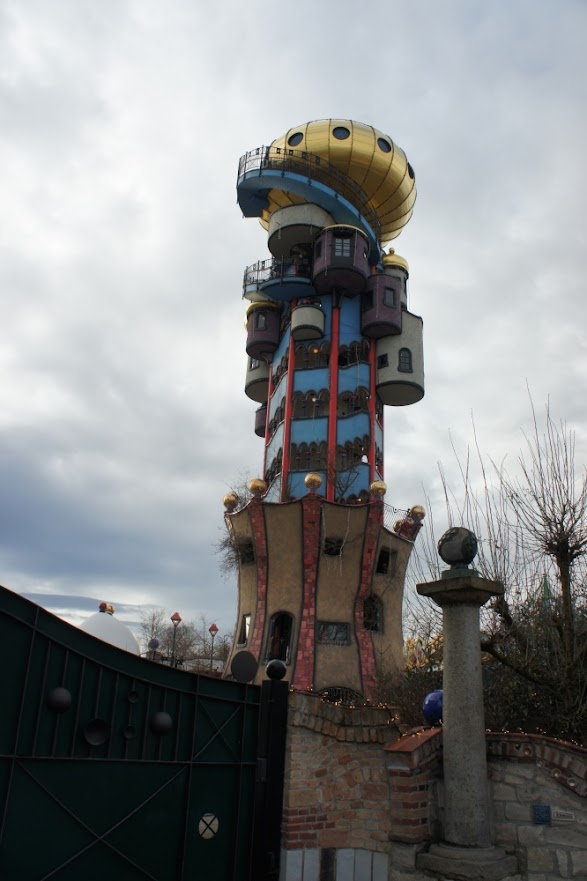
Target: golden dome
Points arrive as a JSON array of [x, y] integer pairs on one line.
[[230, 501], [393, 259], [378, 488], [257, 487], [367, 156], [313, 481], [417, 512]]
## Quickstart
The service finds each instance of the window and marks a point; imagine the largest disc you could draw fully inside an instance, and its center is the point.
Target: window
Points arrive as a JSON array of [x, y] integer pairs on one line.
[[243, 633], [333, 547], [373, 614], [390, 298], [253, 364], [318, 250], [382, 361], [280, 632], [342, 247], [405, 361], [295, 139], [367, 301], [332, 633], [246, 550], [386, 562], [340, 132], [261, 322]]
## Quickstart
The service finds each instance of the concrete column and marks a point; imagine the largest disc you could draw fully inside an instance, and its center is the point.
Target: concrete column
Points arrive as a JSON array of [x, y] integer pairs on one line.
[[467, 851]]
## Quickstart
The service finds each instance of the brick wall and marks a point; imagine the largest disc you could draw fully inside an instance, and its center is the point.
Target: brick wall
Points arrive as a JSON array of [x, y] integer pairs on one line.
[[337, 787], [354, 787]]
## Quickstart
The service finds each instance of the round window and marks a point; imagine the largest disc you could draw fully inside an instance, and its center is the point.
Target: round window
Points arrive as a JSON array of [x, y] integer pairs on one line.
[[410, 171], [340, 133], [295, 139], [384, 145]]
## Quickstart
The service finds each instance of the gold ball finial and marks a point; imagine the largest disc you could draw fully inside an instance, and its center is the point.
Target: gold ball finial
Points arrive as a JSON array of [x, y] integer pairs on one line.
[[230, 501], [417, 512], [257, 487], [378, 488], [313, 481]]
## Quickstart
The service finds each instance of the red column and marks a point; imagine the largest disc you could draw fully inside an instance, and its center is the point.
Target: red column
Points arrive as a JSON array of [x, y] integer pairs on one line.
[[372, 408], [304, 673], [333, 406], [285, 464]]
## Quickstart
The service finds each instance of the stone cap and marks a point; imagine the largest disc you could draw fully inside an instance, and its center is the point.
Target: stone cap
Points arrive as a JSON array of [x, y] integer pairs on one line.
[[470, 589]]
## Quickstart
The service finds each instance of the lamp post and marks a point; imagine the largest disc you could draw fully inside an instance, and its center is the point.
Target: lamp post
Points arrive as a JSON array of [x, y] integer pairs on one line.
[[176, 621], [212, 630]]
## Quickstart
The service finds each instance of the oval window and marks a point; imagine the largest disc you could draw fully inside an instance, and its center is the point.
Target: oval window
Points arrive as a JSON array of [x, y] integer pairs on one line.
[[295, 139], [384, 145], [410, 171], [340, 133]]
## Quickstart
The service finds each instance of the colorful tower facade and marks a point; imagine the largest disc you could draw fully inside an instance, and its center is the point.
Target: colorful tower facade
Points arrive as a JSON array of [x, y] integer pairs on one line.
[[330, 342]]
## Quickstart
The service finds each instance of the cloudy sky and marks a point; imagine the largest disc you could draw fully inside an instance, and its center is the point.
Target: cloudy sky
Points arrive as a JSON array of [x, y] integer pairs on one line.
[[123, 419]]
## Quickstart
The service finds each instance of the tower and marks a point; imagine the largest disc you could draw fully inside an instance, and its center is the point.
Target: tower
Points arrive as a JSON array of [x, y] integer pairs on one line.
[[330, 342]]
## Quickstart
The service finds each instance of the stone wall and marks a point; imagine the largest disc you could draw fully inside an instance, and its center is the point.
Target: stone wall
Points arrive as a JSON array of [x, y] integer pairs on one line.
[[361, 801]]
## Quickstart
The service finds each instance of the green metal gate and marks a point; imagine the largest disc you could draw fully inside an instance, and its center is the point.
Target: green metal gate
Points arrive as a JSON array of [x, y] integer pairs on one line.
[[114, 767]]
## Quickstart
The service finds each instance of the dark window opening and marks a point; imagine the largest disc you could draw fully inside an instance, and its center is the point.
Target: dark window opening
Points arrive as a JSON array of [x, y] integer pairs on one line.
[[332, 633], [318, 250], [246, 550], [405, 361], [253, 364], [383, 361], [390, 298], [243, 633], [340, 133], [295, 139], [333, 547], [373, 614], [384, 145], [280, 632], [367, 301], [385, 562]]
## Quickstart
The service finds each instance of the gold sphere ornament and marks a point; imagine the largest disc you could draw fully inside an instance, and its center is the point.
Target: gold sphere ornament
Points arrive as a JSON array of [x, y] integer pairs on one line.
[[378, 488], [230, 501], [417, 512], [313, 481], [257, 487]]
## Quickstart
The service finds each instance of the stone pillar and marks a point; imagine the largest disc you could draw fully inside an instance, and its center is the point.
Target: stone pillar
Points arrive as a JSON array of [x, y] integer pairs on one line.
[[467, 851]]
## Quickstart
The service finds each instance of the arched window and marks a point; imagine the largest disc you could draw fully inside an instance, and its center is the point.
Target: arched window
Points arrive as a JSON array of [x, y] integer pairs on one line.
[[373, 614], [405, 361], [280, 633]]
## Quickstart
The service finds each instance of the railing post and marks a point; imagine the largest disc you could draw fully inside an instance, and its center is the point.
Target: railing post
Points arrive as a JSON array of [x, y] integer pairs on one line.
[[269, 775]]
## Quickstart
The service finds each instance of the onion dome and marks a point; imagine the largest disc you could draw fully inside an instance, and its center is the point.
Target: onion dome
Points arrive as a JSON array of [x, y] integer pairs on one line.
[[103, 625], [375, 166], [313, 481], [393, 259]]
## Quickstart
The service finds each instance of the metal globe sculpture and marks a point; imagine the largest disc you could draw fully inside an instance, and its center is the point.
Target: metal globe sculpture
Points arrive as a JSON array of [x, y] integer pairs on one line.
[[458, 546], [432, 707]]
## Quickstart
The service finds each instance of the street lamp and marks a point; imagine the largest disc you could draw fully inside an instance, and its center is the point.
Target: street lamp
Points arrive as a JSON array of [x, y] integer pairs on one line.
[[212, 630], [176, 621]]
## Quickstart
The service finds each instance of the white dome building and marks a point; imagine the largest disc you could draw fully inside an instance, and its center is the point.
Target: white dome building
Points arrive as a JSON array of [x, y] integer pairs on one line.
[[103, 625]]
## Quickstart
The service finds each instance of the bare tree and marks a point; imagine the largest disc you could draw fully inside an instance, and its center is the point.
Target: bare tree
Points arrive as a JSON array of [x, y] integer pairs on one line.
[[533, 538]]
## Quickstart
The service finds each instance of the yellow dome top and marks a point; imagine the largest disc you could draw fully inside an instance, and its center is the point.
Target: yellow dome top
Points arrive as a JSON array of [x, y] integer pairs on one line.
[[367, 156], [393, 259]]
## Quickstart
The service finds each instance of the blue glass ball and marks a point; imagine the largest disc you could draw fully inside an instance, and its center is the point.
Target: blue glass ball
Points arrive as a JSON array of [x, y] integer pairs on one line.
[[432, 707]]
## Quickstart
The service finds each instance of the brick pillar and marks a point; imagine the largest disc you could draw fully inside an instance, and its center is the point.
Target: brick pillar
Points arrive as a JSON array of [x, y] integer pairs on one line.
[[304, 672], [364, 639], [257, 516]]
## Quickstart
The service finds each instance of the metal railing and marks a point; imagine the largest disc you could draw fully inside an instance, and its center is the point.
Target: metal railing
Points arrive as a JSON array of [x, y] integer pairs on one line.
[[274, 268], [315, 168]]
